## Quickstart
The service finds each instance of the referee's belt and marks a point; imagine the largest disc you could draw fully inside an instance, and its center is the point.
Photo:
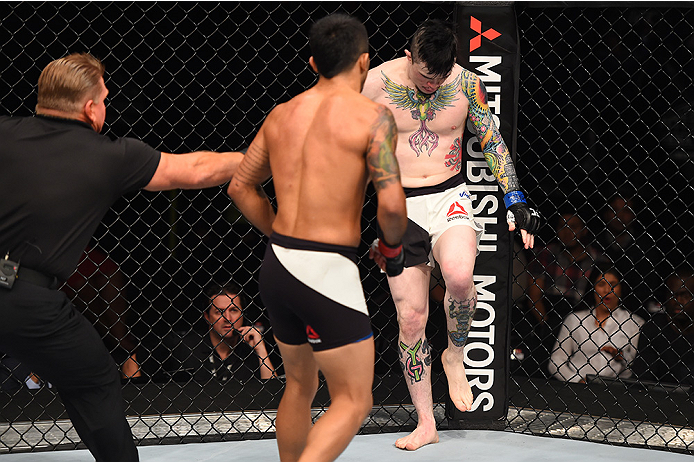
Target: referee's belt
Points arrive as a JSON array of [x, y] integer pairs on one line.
[[37, 278]]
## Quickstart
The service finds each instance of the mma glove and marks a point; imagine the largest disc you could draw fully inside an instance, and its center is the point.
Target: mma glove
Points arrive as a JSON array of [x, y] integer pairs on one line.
[[395, 258], [518, 211]]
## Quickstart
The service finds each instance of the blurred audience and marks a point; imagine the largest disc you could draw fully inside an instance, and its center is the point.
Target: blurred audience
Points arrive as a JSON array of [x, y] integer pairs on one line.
[[623, 239], [560, 270], [600, 339], [97, 288], [229, 349], [14, 375], [666, 346]]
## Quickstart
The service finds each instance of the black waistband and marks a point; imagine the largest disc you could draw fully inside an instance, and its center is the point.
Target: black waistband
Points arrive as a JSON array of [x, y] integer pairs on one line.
[[452, 182], [37, 278], [303, 244]]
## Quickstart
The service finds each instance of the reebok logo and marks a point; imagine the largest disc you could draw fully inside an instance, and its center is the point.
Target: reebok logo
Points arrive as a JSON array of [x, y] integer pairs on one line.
[[476, 41], [312, 335], [456, 209]]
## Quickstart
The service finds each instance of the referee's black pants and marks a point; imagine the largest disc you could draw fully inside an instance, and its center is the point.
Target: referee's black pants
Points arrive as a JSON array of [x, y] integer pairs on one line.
[[41, 328]]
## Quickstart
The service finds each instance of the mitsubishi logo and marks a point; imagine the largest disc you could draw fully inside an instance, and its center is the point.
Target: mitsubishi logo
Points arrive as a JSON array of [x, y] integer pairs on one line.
[[476, 41]]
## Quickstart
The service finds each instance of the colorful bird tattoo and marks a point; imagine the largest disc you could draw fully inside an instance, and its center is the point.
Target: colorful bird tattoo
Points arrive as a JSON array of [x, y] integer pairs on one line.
[[423, 108]]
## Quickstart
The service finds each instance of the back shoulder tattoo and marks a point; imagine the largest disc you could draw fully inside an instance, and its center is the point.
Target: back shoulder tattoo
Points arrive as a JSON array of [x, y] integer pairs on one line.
[[380, 155]]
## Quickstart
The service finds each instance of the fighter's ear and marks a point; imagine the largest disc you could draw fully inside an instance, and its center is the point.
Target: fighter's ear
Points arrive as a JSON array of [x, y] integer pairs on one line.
[[364, 62], [313, 64], [409, 56]]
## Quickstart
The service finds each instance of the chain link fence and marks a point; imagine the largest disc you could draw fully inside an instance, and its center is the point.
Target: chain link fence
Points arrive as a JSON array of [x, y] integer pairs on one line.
[[604, 151]]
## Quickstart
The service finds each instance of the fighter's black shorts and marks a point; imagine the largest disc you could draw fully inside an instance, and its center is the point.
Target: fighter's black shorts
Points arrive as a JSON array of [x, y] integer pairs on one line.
[[313, 293]]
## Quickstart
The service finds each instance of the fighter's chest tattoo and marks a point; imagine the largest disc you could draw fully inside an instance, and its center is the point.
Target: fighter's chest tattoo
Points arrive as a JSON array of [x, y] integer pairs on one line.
[[423, 108]]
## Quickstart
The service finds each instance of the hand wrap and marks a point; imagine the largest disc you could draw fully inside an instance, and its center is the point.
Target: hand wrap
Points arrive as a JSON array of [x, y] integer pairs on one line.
[[518, 212], [395, 258]]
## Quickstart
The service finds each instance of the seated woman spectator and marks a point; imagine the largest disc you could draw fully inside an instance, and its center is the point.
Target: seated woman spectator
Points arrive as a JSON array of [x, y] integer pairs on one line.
[[666, 346], [228, 350], [600, 340]]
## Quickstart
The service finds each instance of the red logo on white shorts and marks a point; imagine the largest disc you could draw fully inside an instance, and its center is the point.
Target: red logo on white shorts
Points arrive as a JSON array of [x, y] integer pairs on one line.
[[456, 209]]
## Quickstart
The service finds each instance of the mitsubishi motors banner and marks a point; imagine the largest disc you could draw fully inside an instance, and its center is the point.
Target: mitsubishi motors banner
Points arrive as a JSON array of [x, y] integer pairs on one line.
[[488, 46]]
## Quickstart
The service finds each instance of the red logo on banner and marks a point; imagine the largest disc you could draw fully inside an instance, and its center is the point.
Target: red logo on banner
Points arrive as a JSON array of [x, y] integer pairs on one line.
[[476, 41]]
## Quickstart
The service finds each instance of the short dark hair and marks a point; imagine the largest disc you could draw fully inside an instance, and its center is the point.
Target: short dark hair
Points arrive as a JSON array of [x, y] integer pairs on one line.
[[435, 44], [602, 268], [336, 42], [216, 289]]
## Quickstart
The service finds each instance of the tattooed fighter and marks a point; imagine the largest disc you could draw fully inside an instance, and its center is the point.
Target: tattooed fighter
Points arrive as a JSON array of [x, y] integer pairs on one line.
[[431, 98], [322, 147]]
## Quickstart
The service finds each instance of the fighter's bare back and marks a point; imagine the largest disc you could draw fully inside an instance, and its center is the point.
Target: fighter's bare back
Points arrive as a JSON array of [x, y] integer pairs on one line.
[[317, 144]]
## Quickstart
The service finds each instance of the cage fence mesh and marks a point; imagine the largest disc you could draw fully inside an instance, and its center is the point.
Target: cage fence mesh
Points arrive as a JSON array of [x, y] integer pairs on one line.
[[604, 152]]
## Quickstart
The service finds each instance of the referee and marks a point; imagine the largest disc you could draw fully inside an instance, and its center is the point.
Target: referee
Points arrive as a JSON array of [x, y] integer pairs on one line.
[[59, 177]]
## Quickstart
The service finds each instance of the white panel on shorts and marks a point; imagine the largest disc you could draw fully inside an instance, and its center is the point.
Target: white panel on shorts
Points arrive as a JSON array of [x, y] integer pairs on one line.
[[329, 274], [437, 212]]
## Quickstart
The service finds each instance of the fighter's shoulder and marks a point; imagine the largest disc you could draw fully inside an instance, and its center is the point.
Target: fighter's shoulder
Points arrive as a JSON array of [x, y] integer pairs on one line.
[[278, 114], [387, 70], [467, 77], [371, 108], [380, 118]]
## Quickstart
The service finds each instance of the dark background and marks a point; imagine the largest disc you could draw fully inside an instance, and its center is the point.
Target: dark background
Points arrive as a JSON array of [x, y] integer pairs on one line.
[[605, 105]]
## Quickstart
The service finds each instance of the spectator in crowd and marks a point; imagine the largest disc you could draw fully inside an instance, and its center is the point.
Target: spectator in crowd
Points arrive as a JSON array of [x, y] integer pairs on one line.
[[560, 272], [14, 375], [97, 288], [666, 345], [229, 350], [599, 340], [621, 240]]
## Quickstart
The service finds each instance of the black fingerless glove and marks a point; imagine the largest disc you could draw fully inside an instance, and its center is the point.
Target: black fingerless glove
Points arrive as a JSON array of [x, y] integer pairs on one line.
[[395, 258], [524, 217]]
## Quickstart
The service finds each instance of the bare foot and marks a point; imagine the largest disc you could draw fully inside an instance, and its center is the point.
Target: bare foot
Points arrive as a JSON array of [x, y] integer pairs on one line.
[[458, 387], [419, 437]]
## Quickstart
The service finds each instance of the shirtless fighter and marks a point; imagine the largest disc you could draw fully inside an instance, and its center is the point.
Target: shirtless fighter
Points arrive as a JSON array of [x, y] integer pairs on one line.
[[431, 97], [321, 148]]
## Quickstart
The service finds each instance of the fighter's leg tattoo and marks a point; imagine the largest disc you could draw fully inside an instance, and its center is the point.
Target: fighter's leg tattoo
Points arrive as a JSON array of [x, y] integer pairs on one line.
[[413, 359], [462, 312]]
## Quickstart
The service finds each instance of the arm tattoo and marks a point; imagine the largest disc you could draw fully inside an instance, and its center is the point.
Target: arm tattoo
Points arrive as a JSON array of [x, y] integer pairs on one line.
[[254, 167], [462, 312], [495, 151], [380, 154], [410, 361]]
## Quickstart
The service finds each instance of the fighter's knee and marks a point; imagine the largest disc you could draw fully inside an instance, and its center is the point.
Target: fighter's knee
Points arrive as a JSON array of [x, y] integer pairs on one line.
[[363, 406], [459, 283], [412, 322], [355, 406]]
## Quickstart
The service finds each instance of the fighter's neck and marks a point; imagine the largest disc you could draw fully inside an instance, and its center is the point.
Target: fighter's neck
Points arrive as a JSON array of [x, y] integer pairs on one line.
[[339, 81]]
